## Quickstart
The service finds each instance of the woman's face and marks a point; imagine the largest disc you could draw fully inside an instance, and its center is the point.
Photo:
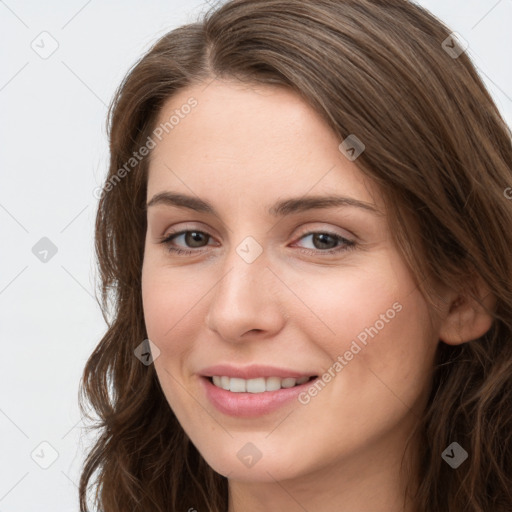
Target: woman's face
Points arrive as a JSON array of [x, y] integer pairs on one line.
[[277, 285]]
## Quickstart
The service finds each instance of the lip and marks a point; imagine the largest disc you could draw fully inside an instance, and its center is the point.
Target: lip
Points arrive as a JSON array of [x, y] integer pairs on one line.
[[251, 405], [252, 372]]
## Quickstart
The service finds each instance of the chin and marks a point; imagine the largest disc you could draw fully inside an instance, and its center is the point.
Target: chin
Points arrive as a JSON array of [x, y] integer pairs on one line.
[[267, 469]]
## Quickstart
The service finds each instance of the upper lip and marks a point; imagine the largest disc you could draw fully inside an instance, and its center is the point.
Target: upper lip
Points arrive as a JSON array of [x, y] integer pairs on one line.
[[252, 372]]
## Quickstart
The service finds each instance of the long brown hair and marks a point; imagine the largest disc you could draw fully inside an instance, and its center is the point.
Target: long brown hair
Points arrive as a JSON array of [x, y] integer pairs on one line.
[[442, 156]]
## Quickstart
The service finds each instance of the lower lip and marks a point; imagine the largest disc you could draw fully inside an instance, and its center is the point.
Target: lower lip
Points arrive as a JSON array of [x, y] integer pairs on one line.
[[250, 405]]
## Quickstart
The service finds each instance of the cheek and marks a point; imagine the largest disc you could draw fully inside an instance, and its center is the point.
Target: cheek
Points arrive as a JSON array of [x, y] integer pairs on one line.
[[378, 360], [170, 303], [349, 303], [170, 308], [374, 322], [168, 326], [389, 376]]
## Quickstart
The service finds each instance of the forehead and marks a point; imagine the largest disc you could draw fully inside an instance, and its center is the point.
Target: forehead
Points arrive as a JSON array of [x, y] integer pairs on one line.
[[251, 140], [234, 117]]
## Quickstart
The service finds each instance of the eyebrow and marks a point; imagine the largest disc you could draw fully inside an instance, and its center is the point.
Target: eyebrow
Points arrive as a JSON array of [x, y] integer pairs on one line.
[[279, 209]]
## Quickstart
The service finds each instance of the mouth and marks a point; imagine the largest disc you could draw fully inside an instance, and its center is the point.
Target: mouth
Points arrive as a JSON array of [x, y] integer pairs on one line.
[[255, 397], [259, 384]]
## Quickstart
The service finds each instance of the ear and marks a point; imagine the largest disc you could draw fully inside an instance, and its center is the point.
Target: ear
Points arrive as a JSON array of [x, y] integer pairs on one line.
[[465, 318]]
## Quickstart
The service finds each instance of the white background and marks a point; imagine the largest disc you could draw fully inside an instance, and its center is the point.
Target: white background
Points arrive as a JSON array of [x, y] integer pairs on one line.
[[53, 155]]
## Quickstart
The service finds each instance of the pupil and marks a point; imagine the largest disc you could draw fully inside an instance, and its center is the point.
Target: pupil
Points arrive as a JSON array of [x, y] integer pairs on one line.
[[322, 239], [192, 237]]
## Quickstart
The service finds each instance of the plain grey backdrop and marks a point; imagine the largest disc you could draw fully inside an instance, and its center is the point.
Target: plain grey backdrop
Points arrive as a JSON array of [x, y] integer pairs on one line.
[[61, 62]]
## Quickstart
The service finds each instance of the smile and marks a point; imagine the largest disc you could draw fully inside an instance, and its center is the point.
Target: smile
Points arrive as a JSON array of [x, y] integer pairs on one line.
[[252, 398], [257, 385]]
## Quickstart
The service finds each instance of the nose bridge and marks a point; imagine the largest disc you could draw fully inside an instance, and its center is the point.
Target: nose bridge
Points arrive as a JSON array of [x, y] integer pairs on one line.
[[245, 275], [245, 297]]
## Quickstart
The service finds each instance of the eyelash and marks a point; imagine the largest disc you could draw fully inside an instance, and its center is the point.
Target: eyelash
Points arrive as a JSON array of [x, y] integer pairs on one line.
[[348, 244]]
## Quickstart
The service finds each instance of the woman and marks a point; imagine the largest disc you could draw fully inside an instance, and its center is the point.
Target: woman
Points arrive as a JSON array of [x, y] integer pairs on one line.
[[305, 241]]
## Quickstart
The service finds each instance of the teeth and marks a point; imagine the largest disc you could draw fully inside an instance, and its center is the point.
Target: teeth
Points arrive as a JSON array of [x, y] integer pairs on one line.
[[273, 384], [237, 385], [255, 385], [258, 385], [224, 383], [288, 383]]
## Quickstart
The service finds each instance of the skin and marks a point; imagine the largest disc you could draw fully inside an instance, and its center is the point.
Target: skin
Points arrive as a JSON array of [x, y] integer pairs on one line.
[[242, 149]]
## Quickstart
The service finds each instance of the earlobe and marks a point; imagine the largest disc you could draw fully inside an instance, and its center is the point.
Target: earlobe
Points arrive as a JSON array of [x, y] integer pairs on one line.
[[466, 319]]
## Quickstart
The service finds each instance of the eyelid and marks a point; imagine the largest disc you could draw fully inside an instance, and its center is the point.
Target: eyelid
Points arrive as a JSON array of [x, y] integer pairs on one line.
[[331, 231], [302, 231], [182, 227], [177, 233], [174, 234]]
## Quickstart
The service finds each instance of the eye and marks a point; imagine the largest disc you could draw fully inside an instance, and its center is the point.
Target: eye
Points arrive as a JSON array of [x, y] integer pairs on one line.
[[326, 242], [192, 238]]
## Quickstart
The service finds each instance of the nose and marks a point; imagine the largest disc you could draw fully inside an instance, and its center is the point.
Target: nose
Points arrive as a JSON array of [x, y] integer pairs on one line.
[[247, 301]]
